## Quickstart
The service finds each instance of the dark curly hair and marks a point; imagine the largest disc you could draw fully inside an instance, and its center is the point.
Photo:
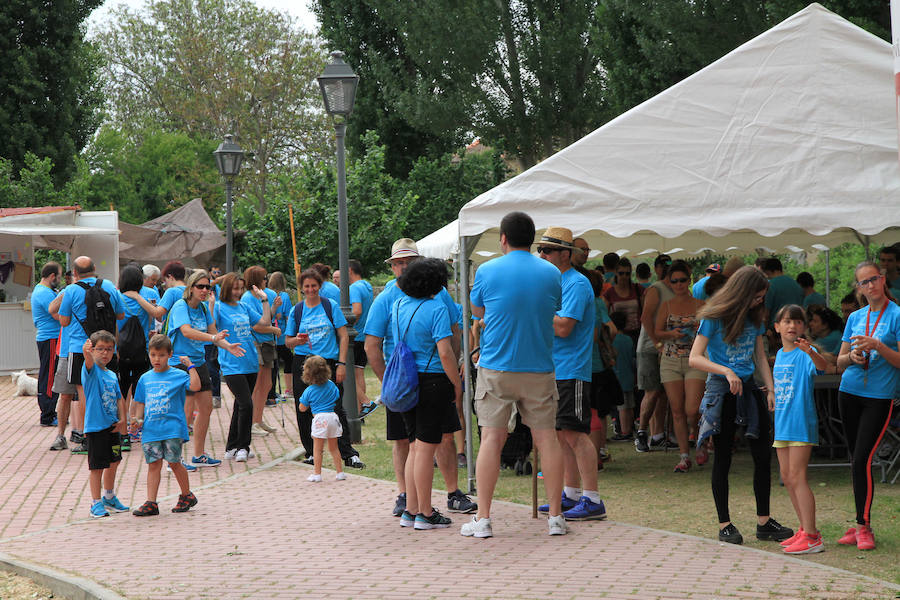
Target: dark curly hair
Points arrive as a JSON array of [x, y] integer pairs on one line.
[[131, 279], [310, 273], [423, 278]]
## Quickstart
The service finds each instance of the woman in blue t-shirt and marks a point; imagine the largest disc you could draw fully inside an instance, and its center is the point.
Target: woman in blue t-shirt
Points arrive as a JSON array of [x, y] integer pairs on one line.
[[424, 325], [238, 318], [826, 327], [731, 330], [313, 329], [131, 280], [869, 353]]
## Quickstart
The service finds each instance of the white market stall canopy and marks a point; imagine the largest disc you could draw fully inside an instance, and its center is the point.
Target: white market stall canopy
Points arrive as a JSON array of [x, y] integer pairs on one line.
[[787, 142]]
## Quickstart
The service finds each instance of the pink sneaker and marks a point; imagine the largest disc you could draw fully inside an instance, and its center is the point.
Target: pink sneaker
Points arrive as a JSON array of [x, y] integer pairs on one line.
[[865, 539], [849, 538], [800, 533], [808, 544]]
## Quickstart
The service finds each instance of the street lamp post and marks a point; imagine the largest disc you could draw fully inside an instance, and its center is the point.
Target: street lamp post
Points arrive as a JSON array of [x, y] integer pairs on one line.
[[338, 87], [228, 158]]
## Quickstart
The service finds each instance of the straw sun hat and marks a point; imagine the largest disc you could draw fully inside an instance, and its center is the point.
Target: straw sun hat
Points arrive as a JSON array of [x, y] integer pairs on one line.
[[559, 237]]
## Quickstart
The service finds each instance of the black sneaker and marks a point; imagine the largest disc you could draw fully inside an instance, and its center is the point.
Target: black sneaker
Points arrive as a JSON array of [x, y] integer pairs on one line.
[[147, 509], [622, 437], [354, 462], [773, 531], [80, 449], [76, 437], [433, 521], [460, 503], [640, 442], [308, 460], [662, 443], [399, 505], [125, 444], [731, 535], [185, 502]]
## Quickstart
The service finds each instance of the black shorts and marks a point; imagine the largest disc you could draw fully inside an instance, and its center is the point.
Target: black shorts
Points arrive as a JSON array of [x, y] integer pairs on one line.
[[203, 373], [359, 355], [396, 428], [606, 393], [435, 414], [574, 410], [76, 361], [129, 373], [104, 448], [286, 357]]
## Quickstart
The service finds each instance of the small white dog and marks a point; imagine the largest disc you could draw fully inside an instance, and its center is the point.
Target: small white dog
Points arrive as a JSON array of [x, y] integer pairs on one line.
[[26, 385]]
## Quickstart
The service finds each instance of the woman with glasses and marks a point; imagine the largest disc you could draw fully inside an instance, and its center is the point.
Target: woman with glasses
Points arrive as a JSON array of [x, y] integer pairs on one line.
[[625, 297], [191, 327], [676, 326], [731, 330], [869, 353]]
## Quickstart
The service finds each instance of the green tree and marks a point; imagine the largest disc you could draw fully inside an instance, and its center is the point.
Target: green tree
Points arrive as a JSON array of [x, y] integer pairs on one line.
[[51, 94], [210, 67]]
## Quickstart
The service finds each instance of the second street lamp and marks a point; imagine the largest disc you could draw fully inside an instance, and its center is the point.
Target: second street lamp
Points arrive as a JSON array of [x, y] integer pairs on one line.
[[228, 159]]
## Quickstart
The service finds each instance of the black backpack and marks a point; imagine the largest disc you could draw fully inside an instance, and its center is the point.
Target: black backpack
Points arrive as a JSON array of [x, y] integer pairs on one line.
[[100, 313], [132, 344]]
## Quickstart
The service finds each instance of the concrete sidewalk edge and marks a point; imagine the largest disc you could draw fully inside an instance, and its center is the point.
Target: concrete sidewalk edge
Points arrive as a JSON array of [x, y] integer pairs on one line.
[[60, 583]]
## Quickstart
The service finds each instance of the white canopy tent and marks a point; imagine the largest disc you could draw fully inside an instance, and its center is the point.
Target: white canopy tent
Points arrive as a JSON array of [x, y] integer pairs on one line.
[[788, 142]]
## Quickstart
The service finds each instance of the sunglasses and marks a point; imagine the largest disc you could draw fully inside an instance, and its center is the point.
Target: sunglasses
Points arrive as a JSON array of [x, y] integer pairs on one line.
[[202, 286], [545, 250], [868, 282], [679, 280], [624, 273]]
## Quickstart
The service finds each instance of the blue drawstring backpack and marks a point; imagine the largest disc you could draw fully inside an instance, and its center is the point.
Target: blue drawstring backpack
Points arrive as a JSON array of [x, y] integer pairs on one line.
[[400, 386]]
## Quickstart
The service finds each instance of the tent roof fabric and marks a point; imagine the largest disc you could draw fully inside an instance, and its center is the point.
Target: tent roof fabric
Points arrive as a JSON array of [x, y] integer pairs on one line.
[[38, 210], [185, 232], [777, 144]]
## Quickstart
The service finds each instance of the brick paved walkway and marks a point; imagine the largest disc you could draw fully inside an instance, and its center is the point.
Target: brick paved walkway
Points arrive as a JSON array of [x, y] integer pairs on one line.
[[267, 533]]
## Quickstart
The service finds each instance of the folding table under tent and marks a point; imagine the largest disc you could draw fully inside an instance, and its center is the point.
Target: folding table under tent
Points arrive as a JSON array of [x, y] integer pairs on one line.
[[787, 142]]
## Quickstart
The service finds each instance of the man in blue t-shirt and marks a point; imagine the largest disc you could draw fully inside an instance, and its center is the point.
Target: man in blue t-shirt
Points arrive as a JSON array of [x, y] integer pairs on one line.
[[573, 329], [698, 291], [361, 298], [379, 345], [782, 288], [46, 335], [517, 296]]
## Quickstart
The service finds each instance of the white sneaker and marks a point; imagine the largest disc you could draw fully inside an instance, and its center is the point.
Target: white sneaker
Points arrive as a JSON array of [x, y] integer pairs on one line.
[[230, 454], [268, 428], [217, 401], [240, 456], [257, 429], [558, 525], [480, 528], [340, 476], [251, 454], [314, 478]]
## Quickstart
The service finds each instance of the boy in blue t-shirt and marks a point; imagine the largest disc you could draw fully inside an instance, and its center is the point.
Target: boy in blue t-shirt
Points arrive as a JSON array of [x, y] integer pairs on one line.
[[159, 402], [104, 421], [624, 369]]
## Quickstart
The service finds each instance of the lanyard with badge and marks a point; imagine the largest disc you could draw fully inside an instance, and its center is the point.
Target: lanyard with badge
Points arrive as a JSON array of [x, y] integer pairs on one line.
[[868, 334]]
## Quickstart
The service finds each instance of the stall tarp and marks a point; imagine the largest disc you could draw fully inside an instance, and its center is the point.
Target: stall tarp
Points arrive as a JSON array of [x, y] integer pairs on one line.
[[789, 140], [185, 232]]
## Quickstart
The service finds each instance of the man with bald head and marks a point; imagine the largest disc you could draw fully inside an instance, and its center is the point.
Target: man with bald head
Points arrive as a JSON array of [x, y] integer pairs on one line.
[[73, 313]]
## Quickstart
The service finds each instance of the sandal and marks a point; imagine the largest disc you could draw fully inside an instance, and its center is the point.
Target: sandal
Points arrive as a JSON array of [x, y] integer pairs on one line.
[[683, 466], [147, 509]]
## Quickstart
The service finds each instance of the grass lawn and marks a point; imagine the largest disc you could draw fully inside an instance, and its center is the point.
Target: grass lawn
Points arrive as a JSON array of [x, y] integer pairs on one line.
[[641, 489]]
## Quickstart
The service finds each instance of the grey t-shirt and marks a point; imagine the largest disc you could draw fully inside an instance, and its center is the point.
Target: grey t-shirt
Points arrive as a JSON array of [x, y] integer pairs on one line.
[[645, 344]]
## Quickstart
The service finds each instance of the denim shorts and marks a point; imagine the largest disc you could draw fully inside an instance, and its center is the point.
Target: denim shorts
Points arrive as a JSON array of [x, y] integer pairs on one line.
[[168, 450]]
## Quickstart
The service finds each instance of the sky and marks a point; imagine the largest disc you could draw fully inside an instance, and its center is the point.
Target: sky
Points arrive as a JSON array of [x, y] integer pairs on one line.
[[296, 8]]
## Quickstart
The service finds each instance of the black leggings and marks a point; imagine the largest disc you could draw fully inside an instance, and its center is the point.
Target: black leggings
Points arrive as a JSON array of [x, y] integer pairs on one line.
[[864, 420], [760, 450], [304, 419], [241, 387]]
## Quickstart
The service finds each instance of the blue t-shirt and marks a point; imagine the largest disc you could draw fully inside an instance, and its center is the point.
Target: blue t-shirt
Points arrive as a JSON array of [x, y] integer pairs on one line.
[[361, 292], [329, 290], [256, 304], [150, 295], [63, 349], [601, 316], [831, 343], [102, 393], [572, 354], [782, 290], [320, 398], [171, 296], [162, 395], [697, 290], [238, 320], [520, 294], [427, 322], [624, 367], [814, 298], [281, 315], [199, 319], [73, 306], [322, 334], [881, 379], [738, 356], [133, 309], [47, 328], [378, 322], [795, 407]]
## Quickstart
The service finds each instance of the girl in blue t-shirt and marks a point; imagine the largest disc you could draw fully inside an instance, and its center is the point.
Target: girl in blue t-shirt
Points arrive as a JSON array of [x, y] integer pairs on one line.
[[319, 398], [869, 353], [731, 330], [796, 425]]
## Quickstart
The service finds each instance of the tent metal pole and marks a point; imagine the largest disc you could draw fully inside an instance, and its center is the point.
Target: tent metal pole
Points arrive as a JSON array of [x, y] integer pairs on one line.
[[468, 394], [828, 278]]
